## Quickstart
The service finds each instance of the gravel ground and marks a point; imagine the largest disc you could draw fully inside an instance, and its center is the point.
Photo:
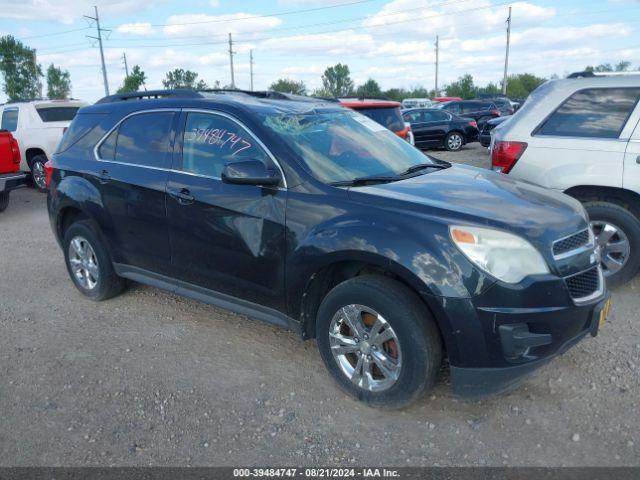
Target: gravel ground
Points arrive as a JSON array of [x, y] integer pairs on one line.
[[150, 378]]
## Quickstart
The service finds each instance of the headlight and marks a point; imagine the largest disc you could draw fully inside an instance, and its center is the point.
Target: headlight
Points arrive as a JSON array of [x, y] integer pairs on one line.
[[502, 255]]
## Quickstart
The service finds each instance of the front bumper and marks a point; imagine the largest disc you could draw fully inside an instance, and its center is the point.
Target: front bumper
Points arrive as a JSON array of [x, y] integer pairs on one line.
[[493, 349]]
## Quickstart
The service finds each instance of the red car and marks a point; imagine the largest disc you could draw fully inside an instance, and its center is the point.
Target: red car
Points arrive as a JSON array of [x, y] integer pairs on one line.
[[10, 175], [385, 112]]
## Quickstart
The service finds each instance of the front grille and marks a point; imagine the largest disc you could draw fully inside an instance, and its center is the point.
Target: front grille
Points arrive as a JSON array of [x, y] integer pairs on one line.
[[571, 242], [584, 284]]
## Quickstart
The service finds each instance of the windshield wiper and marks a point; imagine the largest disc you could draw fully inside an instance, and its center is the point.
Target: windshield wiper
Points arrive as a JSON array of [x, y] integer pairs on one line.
[[422, 166], [373, 179]]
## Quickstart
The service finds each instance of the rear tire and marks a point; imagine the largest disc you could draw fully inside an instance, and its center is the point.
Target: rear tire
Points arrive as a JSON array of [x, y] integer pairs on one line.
[[89, 264], [4, 201], [402, 353], [618, 233], [37, 172]]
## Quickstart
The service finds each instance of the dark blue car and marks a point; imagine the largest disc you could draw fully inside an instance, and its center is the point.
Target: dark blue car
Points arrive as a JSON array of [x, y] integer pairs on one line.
[[313, 217]]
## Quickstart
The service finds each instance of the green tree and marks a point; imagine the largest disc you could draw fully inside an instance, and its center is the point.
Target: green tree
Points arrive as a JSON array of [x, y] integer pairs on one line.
[[397, 94], [522, 84], [286, 85], [58, 82], [337, 82], [463, 87], [370, 88], [180, 78], [20, 70], [603, 67], [490, 89], [622, 66], [133, 81]]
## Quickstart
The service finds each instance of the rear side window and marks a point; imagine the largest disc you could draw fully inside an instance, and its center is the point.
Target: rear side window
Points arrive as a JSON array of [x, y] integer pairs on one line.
[[144, 139], [212, 141], [57, 114], [107, 149], [10, 120], [413, 117], [389, 117], [592, 113], [80, 126]]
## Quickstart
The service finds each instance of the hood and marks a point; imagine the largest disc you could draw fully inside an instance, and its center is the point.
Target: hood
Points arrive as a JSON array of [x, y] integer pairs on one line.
[[471, 195]]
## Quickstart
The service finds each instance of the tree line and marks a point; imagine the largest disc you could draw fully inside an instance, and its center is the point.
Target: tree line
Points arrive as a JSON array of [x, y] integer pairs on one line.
[[23, 75]]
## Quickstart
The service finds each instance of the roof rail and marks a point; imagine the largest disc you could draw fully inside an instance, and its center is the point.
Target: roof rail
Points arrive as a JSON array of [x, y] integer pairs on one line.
[[176, 93], [590, 74]]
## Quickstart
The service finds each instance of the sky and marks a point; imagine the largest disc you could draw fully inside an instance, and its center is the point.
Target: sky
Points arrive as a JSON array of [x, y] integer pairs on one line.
[[391, 41]]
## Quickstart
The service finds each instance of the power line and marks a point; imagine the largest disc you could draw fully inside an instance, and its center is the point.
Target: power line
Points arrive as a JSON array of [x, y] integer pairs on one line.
[[63, 32], [266, 15], [363, 27], [320, 24]]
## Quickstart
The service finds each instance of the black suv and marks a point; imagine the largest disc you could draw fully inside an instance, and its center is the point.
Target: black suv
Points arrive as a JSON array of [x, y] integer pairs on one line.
[[313, 217], [479, 110]]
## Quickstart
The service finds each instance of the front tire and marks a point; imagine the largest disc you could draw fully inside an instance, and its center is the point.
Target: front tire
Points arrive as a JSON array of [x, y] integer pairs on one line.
[[618, 234], [378, 341], [89, 264], [37, 172], [4, 201], [454, 141]]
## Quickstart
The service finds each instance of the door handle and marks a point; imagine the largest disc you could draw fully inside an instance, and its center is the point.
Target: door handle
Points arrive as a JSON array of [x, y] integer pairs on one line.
[[183, 196], [638, 159], [104, 176]]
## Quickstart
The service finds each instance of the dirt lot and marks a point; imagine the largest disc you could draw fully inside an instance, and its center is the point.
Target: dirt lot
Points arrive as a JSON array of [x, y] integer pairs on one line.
[[149, 378]]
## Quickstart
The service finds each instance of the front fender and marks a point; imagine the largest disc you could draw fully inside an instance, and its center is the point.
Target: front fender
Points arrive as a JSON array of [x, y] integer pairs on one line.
[[420, 254]]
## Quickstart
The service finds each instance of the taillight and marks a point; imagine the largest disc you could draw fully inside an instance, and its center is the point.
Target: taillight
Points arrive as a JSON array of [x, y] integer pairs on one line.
[[473, 124], [15, 151], [504, 155], [48, 172], [495, 113]]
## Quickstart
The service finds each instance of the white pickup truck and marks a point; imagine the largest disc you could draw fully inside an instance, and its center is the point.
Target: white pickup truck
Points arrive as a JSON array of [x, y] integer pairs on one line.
[[38, 127]]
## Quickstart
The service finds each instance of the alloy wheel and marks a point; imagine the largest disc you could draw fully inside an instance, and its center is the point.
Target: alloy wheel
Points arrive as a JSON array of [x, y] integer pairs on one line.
[[83, 263], [365, 347], [454, 142], [614, 246], [37, 173]]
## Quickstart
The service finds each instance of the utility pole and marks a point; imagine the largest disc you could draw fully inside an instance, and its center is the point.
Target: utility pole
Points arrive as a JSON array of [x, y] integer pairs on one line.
[[506, 56], [126, 67], [437, 58], [99, 38], [251, 67], [231, 52]]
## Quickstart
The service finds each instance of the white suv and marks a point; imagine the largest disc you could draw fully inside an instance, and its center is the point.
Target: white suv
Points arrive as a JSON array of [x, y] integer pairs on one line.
[[38, 127], [581, 136]]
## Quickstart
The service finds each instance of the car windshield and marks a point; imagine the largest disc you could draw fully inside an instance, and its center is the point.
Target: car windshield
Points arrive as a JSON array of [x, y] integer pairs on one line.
[[343, 146]]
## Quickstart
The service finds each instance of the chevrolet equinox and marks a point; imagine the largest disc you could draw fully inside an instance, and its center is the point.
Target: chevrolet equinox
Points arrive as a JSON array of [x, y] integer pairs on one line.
[[311, 216]]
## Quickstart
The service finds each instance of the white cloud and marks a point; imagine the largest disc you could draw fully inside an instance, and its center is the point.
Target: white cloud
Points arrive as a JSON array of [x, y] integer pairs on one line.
[[214, 3], [321, 43], [66, 11], [143, 29], [550, 36], [218, 25]]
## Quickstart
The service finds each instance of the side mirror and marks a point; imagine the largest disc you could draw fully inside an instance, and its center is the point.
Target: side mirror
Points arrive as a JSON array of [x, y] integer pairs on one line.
[[249, 172]]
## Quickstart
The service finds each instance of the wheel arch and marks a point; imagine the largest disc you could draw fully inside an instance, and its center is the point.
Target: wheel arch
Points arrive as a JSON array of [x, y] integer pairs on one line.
[[620, 196], [32, 152], [326, 277]]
